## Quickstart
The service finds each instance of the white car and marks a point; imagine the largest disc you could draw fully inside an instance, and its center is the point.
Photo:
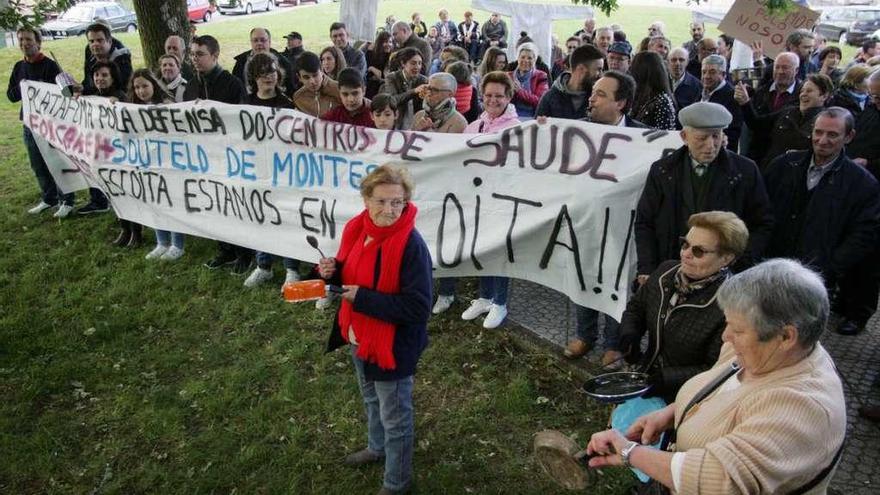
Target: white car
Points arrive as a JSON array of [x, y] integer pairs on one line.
[[244, 6]]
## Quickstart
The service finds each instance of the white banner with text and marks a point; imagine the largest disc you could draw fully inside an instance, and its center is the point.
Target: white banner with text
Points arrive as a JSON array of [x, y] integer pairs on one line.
[[552, 203]]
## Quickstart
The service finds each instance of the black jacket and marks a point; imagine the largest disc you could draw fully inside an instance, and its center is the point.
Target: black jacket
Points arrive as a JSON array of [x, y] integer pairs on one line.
[[561, 103], [866, 144], [838, 226], [291, 79], [43, 71], [119, 55], [665, 205], [761, 103], [724, 96], [687, 93], [782, 131], [682, 341], [217, 85]]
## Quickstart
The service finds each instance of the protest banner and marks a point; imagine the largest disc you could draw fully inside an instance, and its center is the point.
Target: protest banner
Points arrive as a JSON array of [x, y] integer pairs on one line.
[[749, 21], [552, 203]]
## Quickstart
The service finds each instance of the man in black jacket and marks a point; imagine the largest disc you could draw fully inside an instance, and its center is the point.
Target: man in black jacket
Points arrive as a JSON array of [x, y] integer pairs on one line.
[[611, 99], [37, 67], [214, 83], [102, 47], [686, 88], [827, 212], [716, 89], [865, 147], [261, 42], [699, 176], [567, 98]]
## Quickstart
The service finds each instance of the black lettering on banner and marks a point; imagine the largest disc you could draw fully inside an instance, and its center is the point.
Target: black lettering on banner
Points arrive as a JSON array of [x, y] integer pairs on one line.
[[629, 232], [461, 230], [551, 156], [257, 207], [328, 219], [474, 260], [303, 215], [188, 196], [271, 205], [241, 203], [474, 143], [513, 148], [575, 250], [516, 202], [602, 249]]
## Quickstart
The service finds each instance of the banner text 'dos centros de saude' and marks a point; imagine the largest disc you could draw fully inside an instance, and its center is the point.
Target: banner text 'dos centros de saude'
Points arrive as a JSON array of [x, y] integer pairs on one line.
[[551, 203]]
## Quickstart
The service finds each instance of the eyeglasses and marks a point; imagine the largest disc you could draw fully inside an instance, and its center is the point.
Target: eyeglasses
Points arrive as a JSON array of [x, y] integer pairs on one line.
[[438, 90], [395, 204], [697, 251]]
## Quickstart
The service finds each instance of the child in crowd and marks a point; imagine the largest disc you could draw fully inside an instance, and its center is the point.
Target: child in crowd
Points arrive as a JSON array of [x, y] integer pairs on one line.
[[355, 109], [384, 111], [318, 93]]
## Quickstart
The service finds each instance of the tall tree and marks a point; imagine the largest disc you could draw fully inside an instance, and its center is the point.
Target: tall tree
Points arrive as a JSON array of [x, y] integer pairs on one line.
[[158, 19]]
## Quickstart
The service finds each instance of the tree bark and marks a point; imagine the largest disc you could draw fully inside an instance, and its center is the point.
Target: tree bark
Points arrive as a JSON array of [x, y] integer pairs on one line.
[[158, 19]]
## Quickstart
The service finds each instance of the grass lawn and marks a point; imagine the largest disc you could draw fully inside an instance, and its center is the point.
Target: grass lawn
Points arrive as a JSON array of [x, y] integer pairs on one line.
[[120, 375]]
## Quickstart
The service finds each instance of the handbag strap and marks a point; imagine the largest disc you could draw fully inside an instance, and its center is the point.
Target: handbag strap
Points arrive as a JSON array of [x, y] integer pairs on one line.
[[702, 394]]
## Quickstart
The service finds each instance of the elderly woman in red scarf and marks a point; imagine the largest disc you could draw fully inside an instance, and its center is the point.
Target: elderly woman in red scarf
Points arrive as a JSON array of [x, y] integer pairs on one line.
[[384, 267]]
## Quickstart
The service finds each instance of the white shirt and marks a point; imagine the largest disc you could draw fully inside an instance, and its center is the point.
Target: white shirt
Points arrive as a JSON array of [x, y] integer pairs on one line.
[[708, 95]]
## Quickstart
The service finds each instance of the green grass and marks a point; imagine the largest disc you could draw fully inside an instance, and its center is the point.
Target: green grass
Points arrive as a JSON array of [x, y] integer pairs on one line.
[[119, 375]]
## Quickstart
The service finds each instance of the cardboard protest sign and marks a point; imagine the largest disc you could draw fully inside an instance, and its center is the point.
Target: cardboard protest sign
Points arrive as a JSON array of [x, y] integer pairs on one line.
[[552, 203], [749, 21]]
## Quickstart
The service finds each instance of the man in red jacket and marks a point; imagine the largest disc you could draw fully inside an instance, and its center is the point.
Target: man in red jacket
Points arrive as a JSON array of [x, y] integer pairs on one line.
[[355, 109]]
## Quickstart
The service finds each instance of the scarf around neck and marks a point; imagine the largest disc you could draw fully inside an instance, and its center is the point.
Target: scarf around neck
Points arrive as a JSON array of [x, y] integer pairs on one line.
[[685, 287], [375, 336], [441, 113]]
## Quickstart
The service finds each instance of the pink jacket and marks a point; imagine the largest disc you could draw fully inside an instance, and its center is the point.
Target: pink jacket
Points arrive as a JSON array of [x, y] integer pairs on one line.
[[485, 123], [531, 96]]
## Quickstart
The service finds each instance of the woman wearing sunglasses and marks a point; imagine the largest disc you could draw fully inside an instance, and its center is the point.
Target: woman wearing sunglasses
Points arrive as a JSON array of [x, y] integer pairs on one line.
[[677, 307]]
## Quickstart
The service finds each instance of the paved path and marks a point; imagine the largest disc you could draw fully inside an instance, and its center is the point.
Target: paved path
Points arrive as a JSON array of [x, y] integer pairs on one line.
[[548, 314]]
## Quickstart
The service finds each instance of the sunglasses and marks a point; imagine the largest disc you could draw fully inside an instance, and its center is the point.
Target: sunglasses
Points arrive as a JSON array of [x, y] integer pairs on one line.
[[697, 251]]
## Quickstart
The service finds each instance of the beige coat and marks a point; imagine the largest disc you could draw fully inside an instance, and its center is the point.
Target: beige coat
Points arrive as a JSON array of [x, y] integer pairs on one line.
[[320, 102], [454, 125], [770, 435]]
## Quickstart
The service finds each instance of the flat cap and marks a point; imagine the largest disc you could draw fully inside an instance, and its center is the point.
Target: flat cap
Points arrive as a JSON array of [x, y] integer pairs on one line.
[[621, 47], [294, 36], [705, 115]]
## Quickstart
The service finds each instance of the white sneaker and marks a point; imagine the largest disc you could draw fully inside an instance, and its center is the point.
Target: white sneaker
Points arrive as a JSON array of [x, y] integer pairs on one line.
[[63, 211], [325, 302], [172, 254], [291, 276], [257, 277], [443, 303], [43, 206], [478, 307], [496, 316], [157, 252]]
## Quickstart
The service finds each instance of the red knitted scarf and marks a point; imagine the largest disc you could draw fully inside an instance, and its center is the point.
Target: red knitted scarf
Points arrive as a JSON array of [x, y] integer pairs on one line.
[[463, 97], [375, 337]]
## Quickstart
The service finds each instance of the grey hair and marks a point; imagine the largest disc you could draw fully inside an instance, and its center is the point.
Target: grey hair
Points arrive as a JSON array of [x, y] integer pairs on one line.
[[606, 28], [401, 26], [527, 47], [679, 49], [716, 60], [446, 78], [776, 293], [792, 56]]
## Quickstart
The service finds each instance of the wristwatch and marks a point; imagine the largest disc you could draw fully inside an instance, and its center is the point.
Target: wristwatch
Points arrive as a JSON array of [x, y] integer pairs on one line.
[[626, 452]]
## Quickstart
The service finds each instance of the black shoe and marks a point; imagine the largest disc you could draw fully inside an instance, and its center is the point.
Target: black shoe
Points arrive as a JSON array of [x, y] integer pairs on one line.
[[220, 260], [92, 208], [242, 265], [850, 327]]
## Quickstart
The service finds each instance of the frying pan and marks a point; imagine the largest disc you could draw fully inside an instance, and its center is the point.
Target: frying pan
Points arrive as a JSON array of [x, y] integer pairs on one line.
[[618, 387]]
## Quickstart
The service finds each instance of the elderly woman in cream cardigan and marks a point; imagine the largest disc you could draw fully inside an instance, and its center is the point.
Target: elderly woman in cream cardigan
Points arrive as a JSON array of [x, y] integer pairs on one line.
[[769, 417]]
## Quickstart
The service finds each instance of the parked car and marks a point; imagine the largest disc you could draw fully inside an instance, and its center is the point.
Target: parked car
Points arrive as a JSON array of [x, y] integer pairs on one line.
[[75, 20], [244, 6], [867, 21], [834, 22], [200, 10], [294, 2]]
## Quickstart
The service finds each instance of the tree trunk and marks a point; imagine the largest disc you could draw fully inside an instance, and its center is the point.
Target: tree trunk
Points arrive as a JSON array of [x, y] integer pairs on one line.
[[158, 19]]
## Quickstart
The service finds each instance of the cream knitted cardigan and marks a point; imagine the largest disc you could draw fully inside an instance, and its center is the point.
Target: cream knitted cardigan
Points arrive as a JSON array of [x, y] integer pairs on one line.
[[770, 435]]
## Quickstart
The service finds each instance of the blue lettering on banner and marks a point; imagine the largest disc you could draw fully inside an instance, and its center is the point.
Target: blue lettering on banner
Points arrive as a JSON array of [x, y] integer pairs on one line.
[[160, 153], [237, 164], [304, 170]]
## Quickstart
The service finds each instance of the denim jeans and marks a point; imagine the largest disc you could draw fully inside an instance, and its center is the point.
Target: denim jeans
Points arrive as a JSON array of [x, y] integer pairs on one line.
[[494, 289], [96, 197], [587, 327], [446, 286], [164, 238], [265, 260], [390, 424], [49, 192]]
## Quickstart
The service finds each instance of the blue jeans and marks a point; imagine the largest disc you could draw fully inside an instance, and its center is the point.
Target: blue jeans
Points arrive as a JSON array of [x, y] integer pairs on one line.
[[390, 424], [265, 260], [587, 327], [164, 238], [446, 286], [49, 192], [494, 289]]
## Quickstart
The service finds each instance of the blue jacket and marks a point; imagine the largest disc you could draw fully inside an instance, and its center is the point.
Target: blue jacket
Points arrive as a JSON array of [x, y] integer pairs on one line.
[[840, 223], [409, 310]]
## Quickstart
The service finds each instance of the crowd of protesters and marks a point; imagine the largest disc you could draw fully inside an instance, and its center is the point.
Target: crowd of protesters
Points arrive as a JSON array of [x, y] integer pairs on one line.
[[794, 153]]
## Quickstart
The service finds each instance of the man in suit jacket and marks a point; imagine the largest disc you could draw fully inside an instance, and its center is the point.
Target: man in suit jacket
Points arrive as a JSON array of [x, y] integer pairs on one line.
[[716, 89], [699, 176], [686, 88], [611, 98]]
